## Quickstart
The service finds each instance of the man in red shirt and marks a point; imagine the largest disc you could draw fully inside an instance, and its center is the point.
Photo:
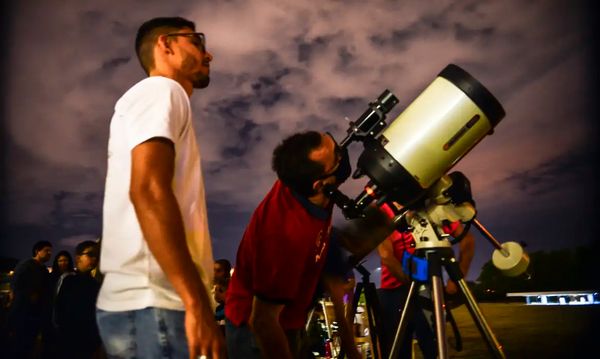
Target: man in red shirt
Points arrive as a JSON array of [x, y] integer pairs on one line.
[[394, 290], [282, 252]]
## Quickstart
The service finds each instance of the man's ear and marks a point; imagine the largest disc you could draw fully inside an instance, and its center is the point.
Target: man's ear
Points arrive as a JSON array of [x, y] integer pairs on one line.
[[164, 44]]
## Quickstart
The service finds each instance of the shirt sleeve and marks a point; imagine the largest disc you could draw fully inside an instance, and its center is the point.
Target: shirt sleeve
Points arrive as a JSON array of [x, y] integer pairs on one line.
[[157, 109], [451, 227]]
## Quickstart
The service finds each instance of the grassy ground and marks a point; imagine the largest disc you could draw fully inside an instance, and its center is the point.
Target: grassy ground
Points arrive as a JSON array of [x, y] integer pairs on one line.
[[527, 331]]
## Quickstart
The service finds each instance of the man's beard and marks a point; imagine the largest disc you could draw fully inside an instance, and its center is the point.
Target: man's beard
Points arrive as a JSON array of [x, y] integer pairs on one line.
[[200, 81]]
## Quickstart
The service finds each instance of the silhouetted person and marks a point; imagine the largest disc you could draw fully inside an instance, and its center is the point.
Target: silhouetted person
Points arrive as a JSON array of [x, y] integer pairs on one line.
[[75, 305], [30, 301], [63, 263]]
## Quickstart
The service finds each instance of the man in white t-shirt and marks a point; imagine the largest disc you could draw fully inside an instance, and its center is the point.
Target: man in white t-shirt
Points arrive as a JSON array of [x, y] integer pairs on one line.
[[156, 253]]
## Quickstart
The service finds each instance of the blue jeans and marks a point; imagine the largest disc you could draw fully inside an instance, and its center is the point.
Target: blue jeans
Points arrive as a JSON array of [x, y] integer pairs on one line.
[[144, 333], [241, 342]]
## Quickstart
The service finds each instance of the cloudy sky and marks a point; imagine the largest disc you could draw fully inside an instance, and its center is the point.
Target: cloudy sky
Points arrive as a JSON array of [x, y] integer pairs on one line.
[[284, 66]]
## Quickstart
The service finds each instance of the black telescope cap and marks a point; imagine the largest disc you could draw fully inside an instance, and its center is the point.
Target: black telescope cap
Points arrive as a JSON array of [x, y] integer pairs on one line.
[[476, 92]]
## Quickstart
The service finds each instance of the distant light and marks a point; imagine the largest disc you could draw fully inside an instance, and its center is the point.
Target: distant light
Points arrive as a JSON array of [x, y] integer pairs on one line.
[[560, 298]]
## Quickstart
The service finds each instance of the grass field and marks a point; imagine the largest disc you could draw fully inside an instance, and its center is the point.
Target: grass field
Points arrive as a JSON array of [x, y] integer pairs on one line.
[[528, 331]]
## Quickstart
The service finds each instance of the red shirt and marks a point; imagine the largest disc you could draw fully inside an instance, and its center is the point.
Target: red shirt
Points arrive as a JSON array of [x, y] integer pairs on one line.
[[280, 258], [401, 241]]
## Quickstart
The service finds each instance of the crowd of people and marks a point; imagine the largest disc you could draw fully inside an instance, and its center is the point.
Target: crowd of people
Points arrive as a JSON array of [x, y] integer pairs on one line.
[[153, 298], [52, 313]]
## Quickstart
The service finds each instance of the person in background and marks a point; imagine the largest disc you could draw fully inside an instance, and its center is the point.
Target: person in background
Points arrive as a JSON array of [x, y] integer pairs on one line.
[[75, 306], [222, 269], [63, 263], [393, 291], [219, 293], [30, 301]]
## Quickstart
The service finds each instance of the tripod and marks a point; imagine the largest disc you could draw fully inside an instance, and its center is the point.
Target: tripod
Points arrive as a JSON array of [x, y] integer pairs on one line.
[[372, 307], [436, 259]]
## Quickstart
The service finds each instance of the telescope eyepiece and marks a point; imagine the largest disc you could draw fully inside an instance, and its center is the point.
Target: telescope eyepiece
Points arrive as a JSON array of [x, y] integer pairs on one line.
[[387, 101]]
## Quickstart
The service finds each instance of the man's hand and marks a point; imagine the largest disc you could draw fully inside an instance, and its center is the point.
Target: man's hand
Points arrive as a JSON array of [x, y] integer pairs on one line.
[[388, 258], [451, 287], [336, 286], [264, 322], [453, 297], [157, 210], [203, 335]]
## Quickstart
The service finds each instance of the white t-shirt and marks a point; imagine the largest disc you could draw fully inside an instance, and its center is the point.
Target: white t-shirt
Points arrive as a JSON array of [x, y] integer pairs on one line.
[[154, 107]]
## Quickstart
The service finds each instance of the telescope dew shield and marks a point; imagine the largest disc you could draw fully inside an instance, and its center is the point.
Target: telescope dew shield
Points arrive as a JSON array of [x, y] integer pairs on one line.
[[431, 135]]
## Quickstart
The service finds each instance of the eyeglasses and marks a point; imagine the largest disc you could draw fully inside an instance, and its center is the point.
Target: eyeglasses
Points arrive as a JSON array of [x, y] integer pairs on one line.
[[197, 38], [89, 254]]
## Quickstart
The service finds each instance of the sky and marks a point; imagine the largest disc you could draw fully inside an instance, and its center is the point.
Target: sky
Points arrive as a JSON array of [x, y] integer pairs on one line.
[[285, 66]]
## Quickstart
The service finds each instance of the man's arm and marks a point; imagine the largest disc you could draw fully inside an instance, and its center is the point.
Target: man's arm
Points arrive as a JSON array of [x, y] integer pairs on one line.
[[386, 252], [152, 170], [466, 251], [264, 322], [335, 286]]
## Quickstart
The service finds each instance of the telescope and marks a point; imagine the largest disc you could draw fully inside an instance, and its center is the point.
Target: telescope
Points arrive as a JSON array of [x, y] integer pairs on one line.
[[407, 166], [429, 137]]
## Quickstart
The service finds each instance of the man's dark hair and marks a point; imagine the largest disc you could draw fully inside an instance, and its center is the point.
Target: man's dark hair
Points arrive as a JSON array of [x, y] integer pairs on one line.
[[292, 165], [39, 245], [225, 264], [83, 246], [149, 32]]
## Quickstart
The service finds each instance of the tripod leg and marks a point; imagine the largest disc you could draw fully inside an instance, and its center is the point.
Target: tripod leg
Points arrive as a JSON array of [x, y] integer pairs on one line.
[[327, 319], [309, 320], [403, 320], [440, 319], [356, 298], [372, 315], [484, 328], [486, 331]]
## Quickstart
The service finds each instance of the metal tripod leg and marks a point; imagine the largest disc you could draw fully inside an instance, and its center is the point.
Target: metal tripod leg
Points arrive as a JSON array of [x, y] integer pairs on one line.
[[372, 308], [435, 264], [486, 331], [372, 312], [493, 344], [440, 315], [438, 304], [434, 274], [406, 310]]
